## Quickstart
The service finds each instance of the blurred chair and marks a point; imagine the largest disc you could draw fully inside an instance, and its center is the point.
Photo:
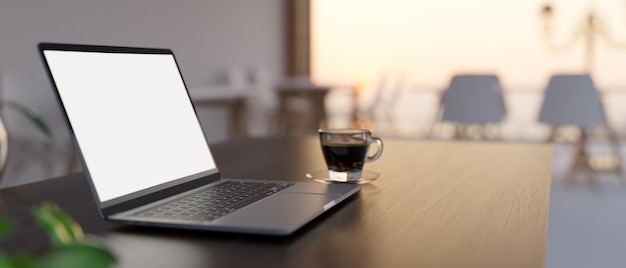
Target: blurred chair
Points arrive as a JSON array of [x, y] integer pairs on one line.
[[301, 108], [573, 100], [365, 113], [473, 100], [379, 111], [263, 104]]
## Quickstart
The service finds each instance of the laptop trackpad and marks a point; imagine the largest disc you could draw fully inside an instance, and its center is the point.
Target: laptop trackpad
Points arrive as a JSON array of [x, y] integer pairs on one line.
[[279, 213], [320, 188]]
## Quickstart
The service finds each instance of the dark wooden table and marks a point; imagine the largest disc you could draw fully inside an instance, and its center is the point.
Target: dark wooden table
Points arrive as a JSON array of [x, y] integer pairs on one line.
[[438, 204]]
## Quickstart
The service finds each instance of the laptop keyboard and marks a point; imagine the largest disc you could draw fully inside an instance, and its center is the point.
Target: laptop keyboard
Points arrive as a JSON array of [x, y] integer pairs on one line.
[[214, 202]]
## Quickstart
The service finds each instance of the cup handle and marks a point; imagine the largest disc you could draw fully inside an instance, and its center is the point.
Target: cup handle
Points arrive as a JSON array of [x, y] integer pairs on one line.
[[378, 142]]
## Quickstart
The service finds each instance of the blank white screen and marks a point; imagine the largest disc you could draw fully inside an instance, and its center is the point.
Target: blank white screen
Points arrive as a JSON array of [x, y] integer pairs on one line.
[[132, 118]]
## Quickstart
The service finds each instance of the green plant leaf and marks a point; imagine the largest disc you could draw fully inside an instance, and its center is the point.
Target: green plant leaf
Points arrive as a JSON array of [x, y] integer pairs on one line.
[[35, 118], [78, 256], [17, 261], [5, 261], [6, 227], [61, 228]]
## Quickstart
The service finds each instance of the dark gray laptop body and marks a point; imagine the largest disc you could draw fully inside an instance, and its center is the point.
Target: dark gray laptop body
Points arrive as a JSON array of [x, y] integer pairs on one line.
[[120, 103]]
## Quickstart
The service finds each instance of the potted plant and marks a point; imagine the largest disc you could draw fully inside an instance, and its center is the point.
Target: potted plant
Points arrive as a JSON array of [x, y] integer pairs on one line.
[[70, 246]]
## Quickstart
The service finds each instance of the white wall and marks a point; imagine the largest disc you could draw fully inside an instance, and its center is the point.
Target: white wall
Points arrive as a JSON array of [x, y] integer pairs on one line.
[[207, 36]]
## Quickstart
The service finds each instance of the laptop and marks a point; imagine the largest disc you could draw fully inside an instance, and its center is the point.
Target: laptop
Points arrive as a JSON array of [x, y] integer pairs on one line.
[[145, 155]]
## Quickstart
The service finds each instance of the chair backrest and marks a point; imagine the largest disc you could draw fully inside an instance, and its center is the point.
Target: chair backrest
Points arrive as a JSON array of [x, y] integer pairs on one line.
[[572, 100], [473, 99]]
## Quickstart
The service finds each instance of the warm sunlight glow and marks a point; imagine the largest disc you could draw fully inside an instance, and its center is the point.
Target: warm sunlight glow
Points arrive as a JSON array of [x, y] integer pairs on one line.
[[358, 41]]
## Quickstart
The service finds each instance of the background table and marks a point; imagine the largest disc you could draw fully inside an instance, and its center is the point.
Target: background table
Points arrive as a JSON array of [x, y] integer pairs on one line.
[[234, 99], [438, 204]]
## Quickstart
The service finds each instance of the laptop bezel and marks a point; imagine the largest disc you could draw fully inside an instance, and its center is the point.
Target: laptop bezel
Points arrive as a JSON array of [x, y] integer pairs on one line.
[[144, 196]]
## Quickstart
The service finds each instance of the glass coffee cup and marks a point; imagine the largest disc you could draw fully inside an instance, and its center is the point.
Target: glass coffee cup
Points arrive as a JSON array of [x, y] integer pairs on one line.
[[346, 151]]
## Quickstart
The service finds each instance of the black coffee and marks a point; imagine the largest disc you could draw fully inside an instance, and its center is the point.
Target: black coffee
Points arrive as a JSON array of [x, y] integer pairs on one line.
[[344, 157]]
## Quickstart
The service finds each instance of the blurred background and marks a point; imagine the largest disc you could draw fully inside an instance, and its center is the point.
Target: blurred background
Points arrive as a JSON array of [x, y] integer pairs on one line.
[[278, 67], [538, 71], [416, 47]]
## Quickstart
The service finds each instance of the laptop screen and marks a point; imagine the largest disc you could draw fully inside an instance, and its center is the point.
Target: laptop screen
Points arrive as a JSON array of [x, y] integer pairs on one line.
[[132, 118]]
